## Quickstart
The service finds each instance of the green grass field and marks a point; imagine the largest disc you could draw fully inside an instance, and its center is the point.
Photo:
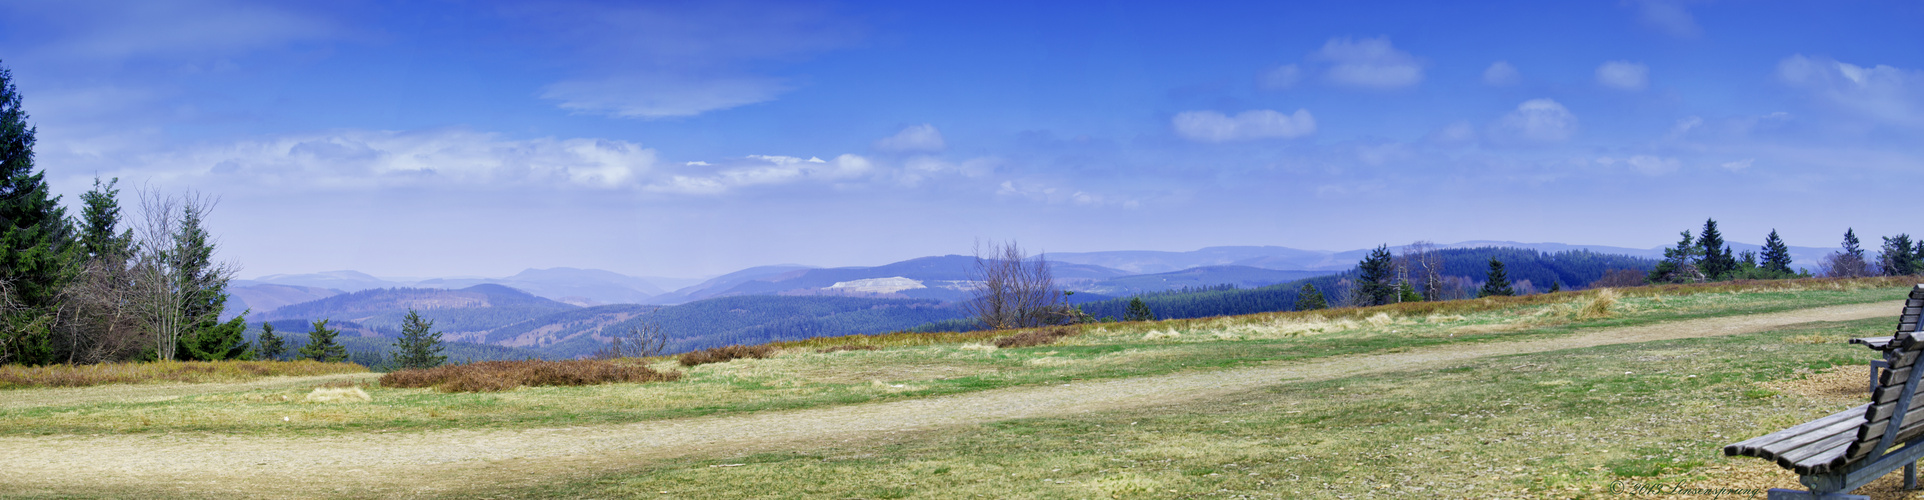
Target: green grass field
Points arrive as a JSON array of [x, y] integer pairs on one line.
[[1556, 424]]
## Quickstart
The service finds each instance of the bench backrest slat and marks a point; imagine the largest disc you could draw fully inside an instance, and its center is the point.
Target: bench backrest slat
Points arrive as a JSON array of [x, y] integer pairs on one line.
[[1893, 384]]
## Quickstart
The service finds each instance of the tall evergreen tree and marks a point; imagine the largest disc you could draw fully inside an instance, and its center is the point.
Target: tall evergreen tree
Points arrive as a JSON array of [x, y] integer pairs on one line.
[[419, 346], [1897, 256], [1679, 262], [1776, 254], [1851, 243], [1138, 311], [1374, 278], [1717, 262], [1498, 282], [271, 345], [321, 346], [1556, 286], [1848, 263], [99, 218], [34, 233], [1310, 299], [204, 288]]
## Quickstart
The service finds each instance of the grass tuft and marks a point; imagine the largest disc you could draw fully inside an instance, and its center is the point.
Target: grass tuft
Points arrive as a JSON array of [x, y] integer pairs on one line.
[[1599, 305], [725, 354], [1036, 337], [21, 377], [496, 376], [338, 395]]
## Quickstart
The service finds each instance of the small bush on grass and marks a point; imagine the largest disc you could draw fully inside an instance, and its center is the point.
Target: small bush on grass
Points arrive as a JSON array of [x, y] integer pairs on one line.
[[495, 376], [20, 377], [725, 354], [847, 347], [1036, 337]]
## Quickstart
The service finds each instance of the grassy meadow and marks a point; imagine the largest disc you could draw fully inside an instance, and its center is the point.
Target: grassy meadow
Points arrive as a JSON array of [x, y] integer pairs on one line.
[[1558, 424]]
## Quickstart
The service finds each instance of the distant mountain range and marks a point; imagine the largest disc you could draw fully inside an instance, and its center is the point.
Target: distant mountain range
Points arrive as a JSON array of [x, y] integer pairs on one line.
[[566, 312]]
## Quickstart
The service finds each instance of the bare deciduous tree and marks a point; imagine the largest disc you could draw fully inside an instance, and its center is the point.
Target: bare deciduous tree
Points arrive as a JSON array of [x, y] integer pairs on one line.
[[1013, 290], [1427, 263], [168, 275], [640, 341]]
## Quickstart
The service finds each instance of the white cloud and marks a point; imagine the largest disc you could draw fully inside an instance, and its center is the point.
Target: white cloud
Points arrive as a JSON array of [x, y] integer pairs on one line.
[[1623, 75], [1739, 165], [915, 138], [1667, 16], [1454, 134], [1884, 93], [1652, 165], [1282, 77], [1536, 120], [1369, 63], [1684, 126], [661, 96], [763, 170], [1501, 73], [1211, 126], [362, 159]]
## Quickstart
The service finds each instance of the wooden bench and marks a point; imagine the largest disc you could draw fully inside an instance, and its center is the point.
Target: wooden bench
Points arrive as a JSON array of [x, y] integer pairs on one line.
[[1837, 454]]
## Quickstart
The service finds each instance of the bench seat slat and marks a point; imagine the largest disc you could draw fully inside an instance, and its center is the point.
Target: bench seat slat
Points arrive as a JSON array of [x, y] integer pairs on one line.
[[1798, 450], [1819, 457], [1761, 447]]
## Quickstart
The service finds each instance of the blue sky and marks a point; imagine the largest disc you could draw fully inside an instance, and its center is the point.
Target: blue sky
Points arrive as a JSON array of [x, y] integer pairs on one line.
[[694, 138]]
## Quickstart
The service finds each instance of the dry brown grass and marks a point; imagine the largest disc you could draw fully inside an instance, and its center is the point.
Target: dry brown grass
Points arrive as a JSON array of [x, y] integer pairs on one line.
[[1036, 337], [20, 377], [725, 354], [847, 347], [495, 376], [1599, 305]]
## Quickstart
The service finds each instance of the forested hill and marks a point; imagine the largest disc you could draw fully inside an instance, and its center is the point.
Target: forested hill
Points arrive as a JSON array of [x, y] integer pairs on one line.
[[737, 320], [1465, 270], [475, 308]]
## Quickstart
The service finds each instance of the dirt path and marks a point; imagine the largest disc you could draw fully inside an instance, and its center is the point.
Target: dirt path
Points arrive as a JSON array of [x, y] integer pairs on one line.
[[420, 462]]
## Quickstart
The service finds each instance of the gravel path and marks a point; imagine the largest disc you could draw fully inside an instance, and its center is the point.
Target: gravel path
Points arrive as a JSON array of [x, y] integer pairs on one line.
[[422, 462]]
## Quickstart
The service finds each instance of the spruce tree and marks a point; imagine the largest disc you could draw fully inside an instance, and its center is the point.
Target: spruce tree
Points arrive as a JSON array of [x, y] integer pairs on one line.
[[419, 346], [34, 239], [1679, 263], [271, 345], [321, 346], [1138, 311], [1405, 292], [1717, 262], [1310, 299], [1373, 278], [1851, 243], [1897, 256], [205, 296], [1498, 282], [1776, 255], [1556, 286]]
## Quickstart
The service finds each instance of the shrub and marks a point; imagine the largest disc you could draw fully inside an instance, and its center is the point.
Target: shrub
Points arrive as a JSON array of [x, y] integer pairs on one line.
[[725, 354], [1036, 337], [17, 376], [494, 376], [848, 347]]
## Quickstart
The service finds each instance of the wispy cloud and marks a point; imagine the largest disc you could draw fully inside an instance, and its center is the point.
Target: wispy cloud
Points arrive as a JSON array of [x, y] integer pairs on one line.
[[1536, 121], [114, 31], [1211, 126], [1881, 92], [1669, 17], [1369, 63], [1280, 77], [1623, 75], [661, 96], [915, 138], [1501, 73]]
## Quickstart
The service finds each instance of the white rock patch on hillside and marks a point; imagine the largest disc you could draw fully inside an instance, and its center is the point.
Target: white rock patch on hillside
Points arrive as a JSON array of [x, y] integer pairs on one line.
[[878, 285]]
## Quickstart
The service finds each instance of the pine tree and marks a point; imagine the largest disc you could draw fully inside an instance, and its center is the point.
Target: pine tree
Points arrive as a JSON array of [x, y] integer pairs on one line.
[[1679, 263], [1405, 292], [1851, 247], [1373, 278], [419, 346], [1776, 254], [1310, 299], [1896, 256], [205, 292], [35, 258], [1717, 262], [271, 345], [1556, 286], [1498, 282], [1138, 311], [321, 346]]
